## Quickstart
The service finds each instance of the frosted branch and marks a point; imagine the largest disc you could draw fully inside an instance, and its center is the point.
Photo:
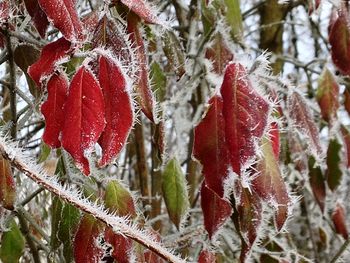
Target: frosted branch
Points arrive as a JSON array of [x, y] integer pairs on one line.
[[10, 151]]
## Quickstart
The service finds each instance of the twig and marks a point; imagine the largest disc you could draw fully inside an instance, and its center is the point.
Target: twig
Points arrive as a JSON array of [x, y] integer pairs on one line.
[[119, 225], [26, 234], [341, 251], [31, 196]]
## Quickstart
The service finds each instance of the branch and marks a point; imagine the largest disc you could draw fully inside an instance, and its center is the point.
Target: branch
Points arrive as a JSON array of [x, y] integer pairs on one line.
[[28, 166]]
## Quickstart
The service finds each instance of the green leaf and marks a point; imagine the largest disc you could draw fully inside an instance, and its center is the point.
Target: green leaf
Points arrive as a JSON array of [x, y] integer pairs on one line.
[[234, 18], [67, 228], [56, 215], [44, 152], [158, 81], [119, 200], [333, 173], [12, 244], [25, 56], [175, 191], [317, 182], [174, 53]]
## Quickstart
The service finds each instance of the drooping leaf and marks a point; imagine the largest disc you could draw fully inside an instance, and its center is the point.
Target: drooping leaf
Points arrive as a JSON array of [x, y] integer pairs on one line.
[[56, 216], [53, 109], [86, 244], [25, 56], [7, 185], [328, 95], [233, 17], [334, 171], [216, 210], [90, 22], [144, 10], [119, 112], [50, 55], [219, 54], [12, 244], [122, 246], [108, 35], [339, 220], [210, 148], [158, 81], [84, 117], [119, 200], [317, 182], [206, 257], [174, 53], [339, 38], [150, 256], [64, 16], [346, 138], [45, 151], [245, 113], [145, 95], [269, 184], [67, 227], [175, 191], [247, 217], [302, 118], [39, 18]]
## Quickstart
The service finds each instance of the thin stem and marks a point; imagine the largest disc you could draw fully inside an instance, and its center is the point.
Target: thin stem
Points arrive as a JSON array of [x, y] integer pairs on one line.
[[31, 196], [341, 251], [12, 85], [26, 234]]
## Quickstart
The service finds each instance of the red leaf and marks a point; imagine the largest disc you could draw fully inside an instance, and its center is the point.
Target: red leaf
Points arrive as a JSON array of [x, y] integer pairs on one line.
[[53, 109], [347, 100], [146, 98], [118, 109], [90, 21], [328, 95], [216, 210], [144, 10], [247, 217], [302, 118], [107, 35], [346, 137], [269, 184], [150, 256], [64, 17], [7, 185], [219, 54], [4, 12], [84, 117], [4, 17], [86, 247], [206, 257], [38, 16], [122, 246], [275, 139], [339, 38], [46, 64], [245, 113], [339, 220], [210, 148]]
